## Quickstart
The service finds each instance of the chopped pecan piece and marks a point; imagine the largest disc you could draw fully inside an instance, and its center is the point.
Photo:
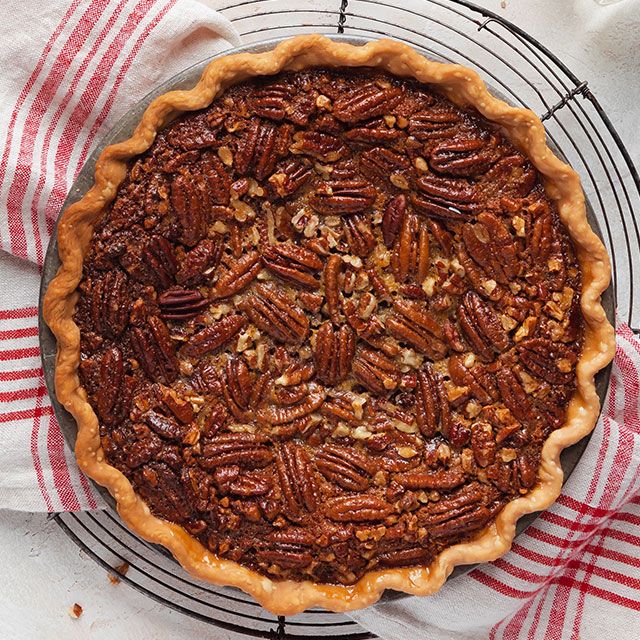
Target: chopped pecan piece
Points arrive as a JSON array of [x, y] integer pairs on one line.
[[293, 263], [336, 198], [154, 350], [214, 336], [333, 353], [275, 313]]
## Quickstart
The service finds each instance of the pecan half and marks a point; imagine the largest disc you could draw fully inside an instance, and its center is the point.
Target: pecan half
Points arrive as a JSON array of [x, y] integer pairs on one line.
[[181, 304], [332, 287], [275, 313], [214, 336], [200, 262], [381, 163], [548, 360], [239, 275], [376, 372], [297, 481], [290, 178], [481, 327], [165, 427], [154, 350], [346, 466], [432, 405], [375, 133], [360, 508], [152, 262], [308, 403], [479, 381], [333, 353], [293, 263], [271, 101], [257, 150], [483, 443], [410, 257], [467, 157], [113, 395], [513, 395], [110, 304], [490, 245], [217, 184], [433, 124], [161, 488], [359, 235], [248, 450], [342, 197], [288, 548], [411, 323], [365, 102], [445, 199], [186, 199], [237, 388], [321, 146], [443, 479], [393, 218]]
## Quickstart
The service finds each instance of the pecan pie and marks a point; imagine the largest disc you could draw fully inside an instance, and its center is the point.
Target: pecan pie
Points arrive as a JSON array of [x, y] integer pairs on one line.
[[327, 330]]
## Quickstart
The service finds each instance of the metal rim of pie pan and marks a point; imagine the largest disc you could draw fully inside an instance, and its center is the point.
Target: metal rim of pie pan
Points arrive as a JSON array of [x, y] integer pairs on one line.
[[121, 131]]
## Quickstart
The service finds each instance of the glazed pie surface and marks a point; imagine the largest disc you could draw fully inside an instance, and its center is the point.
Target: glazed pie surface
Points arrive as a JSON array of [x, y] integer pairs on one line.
[[328, 323]]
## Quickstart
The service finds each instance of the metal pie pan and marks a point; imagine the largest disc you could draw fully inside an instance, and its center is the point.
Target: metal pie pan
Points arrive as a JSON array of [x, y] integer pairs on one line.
[[121, 131]]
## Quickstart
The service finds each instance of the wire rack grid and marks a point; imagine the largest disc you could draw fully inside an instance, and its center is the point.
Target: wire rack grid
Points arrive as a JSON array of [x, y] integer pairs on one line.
[[528, 75]]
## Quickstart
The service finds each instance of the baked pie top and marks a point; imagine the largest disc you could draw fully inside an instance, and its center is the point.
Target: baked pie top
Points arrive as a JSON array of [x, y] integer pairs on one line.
[[328, 322]]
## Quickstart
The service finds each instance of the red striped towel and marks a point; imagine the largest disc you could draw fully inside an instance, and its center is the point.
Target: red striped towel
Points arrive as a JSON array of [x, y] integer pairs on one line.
[[574, 574], [68, 76]]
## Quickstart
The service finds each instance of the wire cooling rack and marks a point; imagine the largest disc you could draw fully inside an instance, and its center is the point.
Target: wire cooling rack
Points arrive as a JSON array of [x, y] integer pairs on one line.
[[528, 75]]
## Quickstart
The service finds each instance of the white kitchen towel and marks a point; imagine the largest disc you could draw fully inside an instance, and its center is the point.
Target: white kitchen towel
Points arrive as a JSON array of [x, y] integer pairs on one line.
[[70, 70]]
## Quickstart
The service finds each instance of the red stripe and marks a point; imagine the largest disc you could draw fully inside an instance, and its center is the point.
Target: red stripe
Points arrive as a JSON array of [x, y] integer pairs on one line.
[[24, 374], [20, 394], [15, 334], [89, 98], [35, 455], [81, 111], [29, 85], [25, 414], [122, 73], [599, 593], [610, 514], [60, 471], [18, 354], [37, 111], [15, 314]]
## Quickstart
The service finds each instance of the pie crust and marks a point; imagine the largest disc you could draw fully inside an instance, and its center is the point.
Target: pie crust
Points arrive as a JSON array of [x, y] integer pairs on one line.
[[463, 87]]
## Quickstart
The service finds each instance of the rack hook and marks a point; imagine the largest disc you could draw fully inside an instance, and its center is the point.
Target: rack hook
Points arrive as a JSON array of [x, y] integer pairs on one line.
[[342, 18], [581, 89]]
